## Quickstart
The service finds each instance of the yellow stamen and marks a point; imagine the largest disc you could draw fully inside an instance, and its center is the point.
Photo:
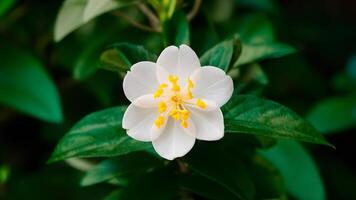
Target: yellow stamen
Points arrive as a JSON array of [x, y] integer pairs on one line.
[[175, 88], [175, 114], [189, 94], [173, 79], [174, 82], [185, 114], [162, 107], [159, 121], [184, 124], [190, 84], [159, 90], [200, 103]]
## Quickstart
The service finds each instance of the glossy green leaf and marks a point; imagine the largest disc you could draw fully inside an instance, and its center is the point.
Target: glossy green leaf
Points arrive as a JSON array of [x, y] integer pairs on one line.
[[256, 52], [26, 86], [334, 114], [221, 54], [122, 168], [252, 115], [298, 169], [98, 135], [119, 57], [5, 5], [75, 13], [223, 168]]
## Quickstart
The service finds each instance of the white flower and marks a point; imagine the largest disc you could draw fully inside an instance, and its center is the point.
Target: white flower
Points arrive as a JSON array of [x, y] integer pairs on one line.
[[175, 101]]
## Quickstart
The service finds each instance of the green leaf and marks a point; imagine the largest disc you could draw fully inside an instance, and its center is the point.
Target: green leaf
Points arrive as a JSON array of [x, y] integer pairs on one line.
[[266, 178], [4, 173], [252, 115], [205, 187], [75, 13], [256, 52], [98, 135], [219, 166], [87, 62], [221, 54], [334, 114], [119, 57], [5, 5], [300, 173], [95, 8], [176, 30], [122, 168], [26, 86]]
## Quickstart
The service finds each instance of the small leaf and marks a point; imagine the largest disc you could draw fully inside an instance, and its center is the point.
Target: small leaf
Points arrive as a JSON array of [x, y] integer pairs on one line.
[[256, 52], [95, 8], [97, 135], [334, 114], [5, 5], [119, 57], [221, 167], [75, 13], [221, 54], [300, 173], [26, 86], [252, 115], [122, 168]]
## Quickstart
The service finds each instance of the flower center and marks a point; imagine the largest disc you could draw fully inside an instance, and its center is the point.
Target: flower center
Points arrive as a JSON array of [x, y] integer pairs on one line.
[[174, 100]]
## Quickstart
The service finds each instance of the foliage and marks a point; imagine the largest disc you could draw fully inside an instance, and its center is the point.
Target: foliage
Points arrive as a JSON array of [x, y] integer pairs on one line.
[[72, 77]]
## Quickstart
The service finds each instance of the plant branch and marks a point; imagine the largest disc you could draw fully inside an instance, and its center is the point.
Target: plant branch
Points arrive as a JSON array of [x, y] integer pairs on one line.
[[154, 21], [194, 10], [134, 22]]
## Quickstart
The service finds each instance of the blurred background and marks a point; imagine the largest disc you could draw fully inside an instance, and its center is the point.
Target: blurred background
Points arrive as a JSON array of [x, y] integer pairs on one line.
[[43, 91]]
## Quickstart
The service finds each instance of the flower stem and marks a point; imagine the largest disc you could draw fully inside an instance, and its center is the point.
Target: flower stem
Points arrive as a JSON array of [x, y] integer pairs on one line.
[[194, 10]]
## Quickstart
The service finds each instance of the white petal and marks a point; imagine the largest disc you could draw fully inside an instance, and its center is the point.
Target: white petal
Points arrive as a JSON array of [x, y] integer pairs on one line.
[[147, 101], [212, 83], [141, 80], [138, 122], [188, 63], [173, 142], [180, 62], [168, 59], [209, 125], [210, 105]]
